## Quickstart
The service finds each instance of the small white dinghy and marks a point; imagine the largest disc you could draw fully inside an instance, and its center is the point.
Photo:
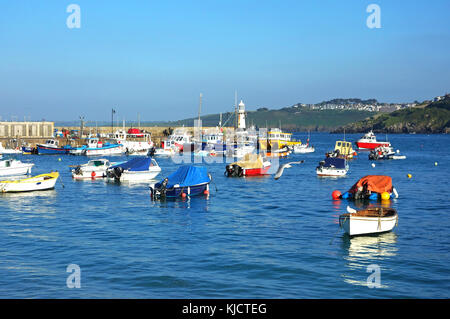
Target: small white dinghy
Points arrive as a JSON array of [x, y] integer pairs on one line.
[[135, 170], [12, 167], [368, 221], [36, 183], [303, 149], [92, 169]]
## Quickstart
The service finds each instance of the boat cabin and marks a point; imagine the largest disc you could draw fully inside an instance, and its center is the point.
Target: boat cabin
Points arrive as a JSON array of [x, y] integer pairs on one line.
[[54, 143], [344, 148]]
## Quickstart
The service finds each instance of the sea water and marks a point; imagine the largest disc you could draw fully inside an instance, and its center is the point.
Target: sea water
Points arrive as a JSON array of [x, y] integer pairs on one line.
[[250, 238]]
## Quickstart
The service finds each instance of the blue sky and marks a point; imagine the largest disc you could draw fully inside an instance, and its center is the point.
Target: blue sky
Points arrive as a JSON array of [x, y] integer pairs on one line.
[[156, 57]]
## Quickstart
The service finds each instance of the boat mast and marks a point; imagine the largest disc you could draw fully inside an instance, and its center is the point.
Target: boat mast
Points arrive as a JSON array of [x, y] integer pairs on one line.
[[199, 109], [235, 109]]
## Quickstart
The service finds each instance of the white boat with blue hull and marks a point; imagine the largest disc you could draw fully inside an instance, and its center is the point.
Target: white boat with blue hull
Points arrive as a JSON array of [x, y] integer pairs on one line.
[[95, 147], [186, 181]]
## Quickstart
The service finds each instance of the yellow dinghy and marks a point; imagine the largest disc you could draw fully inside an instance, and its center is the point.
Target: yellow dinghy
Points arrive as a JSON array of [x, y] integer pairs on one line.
[[36, 183]]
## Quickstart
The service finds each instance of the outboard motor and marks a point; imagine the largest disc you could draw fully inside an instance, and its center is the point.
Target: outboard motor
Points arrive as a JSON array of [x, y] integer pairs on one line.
[[159, 192], [116, 172], [234, 171], [78, 170]]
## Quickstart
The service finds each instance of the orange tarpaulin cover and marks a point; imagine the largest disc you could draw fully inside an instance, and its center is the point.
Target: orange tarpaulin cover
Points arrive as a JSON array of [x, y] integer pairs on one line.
[[375, 183]]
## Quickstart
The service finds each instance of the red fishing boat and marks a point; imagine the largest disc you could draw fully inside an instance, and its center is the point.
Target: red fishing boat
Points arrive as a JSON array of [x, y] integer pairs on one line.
[[369, 142]]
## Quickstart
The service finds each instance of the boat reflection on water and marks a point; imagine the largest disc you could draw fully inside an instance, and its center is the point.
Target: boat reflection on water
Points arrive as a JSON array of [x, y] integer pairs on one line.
[[366, 250], [199, 203], [31, 202]]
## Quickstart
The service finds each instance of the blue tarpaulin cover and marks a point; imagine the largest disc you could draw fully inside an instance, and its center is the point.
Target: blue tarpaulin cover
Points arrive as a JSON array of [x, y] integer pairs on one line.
[[334, 161], [136, 164], [187, 176]]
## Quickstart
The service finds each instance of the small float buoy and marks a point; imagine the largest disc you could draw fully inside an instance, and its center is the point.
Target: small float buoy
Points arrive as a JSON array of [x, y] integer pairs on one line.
[[336, 194], [59, 159], [385, 196], [373, 164], [183, 195], [93, 174], [409, 175], [206, 192], [435, 163]]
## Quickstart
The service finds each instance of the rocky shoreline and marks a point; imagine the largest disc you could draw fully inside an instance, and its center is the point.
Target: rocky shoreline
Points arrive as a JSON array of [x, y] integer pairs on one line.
[[433, 118]]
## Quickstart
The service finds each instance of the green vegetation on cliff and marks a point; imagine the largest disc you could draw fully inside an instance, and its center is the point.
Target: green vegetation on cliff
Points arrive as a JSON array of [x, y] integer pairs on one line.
[[291, 118], [431, 118]]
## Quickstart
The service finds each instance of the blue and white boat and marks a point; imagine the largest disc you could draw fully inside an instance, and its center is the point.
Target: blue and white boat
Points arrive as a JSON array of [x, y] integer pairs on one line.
[[95, 147], [332, 166], [188, 180], [51, 147], [136, 170]]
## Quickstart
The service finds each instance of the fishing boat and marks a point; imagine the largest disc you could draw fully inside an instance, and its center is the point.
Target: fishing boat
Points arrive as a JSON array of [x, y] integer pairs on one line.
[[342, 149], [180, 140], [332, 166], [36, 183], [12, 167], [303, 148], [371, 187], [277, 139], [385, 152], [369, 142], [250, 165], [367, 221], [28, 150], [51, 147], [135, 142], [187, 180], [9, 150], [135, 170], [95, 147], [92, 169]]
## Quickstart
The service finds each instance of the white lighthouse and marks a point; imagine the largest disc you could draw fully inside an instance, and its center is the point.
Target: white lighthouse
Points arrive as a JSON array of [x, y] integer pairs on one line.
[[241, 113]]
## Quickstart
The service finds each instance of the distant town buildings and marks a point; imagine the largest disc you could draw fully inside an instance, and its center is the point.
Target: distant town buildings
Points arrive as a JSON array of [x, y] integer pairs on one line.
[[26, 129], [372, 107]]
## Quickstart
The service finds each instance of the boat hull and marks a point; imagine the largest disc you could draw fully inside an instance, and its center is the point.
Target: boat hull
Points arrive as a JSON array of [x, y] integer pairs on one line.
[[38, 183], [256, 171], [194, 190], [332, 172], [356, 225], [102, 151], [23, 169], [370, 146], [45, 150]]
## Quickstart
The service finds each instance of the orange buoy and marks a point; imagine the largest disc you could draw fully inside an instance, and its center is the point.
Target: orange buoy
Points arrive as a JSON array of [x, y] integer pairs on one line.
[[336, 194], [93, 174], [206, 192], [183, 195]]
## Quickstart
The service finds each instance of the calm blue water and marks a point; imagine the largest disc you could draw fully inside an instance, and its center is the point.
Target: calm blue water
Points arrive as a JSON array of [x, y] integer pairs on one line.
[[254, 238]]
